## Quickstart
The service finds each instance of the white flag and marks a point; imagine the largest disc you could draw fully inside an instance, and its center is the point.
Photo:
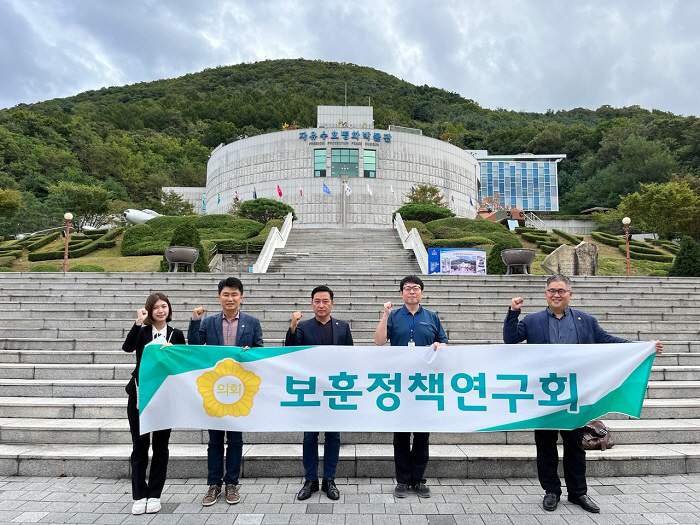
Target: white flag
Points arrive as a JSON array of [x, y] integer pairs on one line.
[[369, 190], [348, 191], [392, 189]]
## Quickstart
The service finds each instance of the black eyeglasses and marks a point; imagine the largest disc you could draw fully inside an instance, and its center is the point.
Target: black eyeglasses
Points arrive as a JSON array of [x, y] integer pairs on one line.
[[557, 291]]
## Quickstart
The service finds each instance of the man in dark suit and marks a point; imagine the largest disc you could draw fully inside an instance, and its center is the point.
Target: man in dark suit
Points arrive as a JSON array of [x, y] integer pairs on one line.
[[559, 324], [231, 327], [321, 330]]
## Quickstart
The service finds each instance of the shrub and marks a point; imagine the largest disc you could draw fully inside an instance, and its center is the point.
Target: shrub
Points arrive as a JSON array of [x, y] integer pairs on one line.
[[6, 269], [607, 238], [45, 268], [573, 239], [186, 234], [494, 263], [7, 260], [464, 242], [43, 241], [252, 245], [263, 210], [658, 273], [687, 263], [446, 232], [86, 268], [423, 212], [639, 249], [425, 234]]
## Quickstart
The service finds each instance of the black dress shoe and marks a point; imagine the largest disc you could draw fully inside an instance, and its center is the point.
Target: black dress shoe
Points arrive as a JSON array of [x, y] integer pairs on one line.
[[550, 501], [585, 502], [328, 486], [309, 488]]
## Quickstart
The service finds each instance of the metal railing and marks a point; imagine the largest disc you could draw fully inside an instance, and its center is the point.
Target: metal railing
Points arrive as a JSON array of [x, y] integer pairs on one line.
[[275, 239], [534, 221], [412, 241]]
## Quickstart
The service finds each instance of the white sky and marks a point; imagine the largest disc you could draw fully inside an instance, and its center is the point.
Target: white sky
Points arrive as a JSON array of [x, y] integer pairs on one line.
[[529, 55]]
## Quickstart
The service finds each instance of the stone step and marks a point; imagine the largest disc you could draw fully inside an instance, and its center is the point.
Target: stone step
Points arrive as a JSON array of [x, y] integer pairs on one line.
[[666, 389], [373, 460], [116, 431], [361, 339], [115, 408]]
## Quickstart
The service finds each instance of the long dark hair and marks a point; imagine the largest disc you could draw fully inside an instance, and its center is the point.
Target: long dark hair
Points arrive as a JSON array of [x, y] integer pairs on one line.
[[151, 301]]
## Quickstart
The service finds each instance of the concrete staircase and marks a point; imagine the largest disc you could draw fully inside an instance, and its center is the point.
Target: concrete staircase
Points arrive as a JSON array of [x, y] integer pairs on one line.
[[341, 252], [62, 371]]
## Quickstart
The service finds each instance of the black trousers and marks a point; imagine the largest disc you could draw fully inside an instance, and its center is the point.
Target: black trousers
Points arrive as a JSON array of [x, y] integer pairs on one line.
[[410, 461], [574, 461], [139, 455]]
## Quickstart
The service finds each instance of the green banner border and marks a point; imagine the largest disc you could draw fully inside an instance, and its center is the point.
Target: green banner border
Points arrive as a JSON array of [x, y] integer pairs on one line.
[[157, 363], [625, 399]]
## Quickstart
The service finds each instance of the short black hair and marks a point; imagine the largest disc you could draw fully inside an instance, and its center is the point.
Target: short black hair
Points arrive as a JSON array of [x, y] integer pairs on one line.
[[322, 288], [231, 282], [559, 278], [413, 279]]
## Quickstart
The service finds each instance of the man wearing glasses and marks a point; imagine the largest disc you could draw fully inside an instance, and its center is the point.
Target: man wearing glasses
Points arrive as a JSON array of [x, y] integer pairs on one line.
[[559, 324], [410, 325]]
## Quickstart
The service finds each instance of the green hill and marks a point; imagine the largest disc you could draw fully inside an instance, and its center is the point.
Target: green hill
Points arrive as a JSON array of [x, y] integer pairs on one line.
[[132, 140]]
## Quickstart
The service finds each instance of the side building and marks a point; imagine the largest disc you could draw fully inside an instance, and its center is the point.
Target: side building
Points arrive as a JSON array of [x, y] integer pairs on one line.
[[342, 173]]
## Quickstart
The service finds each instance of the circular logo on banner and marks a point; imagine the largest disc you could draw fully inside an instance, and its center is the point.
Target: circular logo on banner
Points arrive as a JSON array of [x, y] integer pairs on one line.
[[228, 390]]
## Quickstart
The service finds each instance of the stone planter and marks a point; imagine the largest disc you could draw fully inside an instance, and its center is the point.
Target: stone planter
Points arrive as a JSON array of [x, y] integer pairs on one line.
[[518, 257], [177, 255]]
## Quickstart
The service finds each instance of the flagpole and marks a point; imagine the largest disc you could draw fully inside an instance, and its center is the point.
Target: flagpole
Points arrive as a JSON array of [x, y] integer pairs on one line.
[[344, 178]]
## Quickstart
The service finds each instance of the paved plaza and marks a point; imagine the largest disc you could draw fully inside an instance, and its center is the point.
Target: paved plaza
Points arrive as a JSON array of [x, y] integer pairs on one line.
[[370, 501]]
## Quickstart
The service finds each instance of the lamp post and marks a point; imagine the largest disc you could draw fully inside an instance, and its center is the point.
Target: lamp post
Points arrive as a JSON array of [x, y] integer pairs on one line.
[[626, 221], [69, 217]]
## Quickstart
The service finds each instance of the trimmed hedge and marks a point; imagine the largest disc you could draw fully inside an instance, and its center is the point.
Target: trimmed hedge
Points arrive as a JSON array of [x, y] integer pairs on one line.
[[87, 268], [45, 268], [424, 213], [464, 242], [573, 239], [425, 234], [6, 269], [639, 249], [252, 245], [7, 260], [607, 238], [687, 262], [40, 243]]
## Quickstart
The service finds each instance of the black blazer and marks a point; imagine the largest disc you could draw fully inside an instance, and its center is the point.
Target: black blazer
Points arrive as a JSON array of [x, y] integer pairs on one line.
[[139, 336], [307, 333]]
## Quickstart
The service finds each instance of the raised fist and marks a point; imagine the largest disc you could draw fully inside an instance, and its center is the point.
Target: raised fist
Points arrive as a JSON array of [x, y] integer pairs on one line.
[[387, 307], [516, 303], [141, 316], [198, 312], [296, 317]]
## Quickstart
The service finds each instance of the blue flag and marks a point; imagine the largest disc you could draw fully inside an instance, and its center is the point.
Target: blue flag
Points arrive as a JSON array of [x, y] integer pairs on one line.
[[218, 198], [326, 189], [255, 193], [471, 203]]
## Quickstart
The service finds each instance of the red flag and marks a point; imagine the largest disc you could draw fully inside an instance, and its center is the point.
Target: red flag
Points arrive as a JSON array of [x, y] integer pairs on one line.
[[235, 196], [301, 192], [279, 190]]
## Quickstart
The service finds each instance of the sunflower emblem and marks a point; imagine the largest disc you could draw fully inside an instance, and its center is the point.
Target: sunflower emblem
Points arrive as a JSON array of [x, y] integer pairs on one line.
[[228, 390]]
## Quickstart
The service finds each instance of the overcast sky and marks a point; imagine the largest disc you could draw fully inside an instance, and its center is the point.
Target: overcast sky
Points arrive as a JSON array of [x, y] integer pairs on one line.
[[530, 55]]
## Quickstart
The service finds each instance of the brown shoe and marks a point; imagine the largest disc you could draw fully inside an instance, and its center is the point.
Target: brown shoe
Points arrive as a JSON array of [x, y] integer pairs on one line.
[[211, 496], [232, 496]]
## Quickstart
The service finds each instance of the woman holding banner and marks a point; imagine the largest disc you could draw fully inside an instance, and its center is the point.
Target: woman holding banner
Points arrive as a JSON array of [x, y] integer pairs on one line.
[[151, 326]]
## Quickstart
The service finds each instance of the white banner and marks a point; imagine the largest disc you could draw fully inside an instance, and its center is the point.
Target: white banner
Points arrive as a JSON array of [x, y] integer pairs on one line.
[[381, 389]]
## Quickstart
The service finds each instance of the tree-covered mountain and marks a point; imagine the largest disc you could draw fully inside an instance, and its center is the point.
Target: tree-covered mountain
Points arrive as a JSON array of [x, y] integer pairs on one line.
[[132, 140]]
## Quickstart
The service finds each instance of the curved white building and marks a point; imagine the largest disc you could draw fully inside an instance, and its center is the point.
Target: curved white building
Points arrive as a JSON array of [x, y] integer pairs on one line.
[[344, 172]]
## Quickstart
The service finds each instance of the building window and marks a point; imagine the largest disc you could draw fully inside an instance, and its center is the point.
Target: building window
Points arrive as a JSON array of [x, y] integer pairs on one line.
[[369, 158], [319, 163], [345, 162]]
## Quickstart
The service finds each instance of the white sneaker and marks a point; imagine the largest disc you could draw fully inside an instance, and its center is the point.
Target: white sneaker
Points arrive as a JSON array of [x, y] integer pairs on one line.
[[152, 505], [139, 506]]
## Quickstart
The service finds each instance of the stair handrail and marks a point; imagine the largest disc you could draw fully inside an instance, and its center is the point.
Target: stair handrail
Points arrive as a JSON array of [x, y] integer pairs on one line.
[[275, 239], [534, 220], [412, 241]]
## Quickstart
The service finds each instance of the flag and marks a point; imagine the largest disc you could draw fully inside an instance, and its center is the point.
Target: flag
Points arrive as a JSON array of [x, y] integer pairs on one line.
[[218, 198], [348, 191], [392, 189], [235, 196], [255, 193], [279, 190], [369, 190], [452, 198], [326, 189], [471, 203], [301, 192]]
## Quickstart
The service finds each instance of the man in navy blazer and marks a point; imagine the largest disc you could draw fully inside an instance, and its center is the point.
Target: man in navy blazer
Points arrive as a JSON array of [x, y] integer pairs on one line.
[[321, 330], [559, 324], [231, 327]]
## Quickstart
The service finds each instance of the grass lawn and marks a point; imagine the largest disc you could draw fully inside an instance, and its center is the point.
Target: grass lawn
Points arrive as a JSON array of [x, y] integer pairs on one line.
[[110, 259]]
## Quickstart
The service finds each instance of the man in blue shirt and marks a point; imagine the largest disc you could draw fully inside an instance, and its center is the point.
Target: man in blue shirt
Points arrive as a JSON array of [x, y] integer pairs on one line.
[[559, 324], [410, 325]]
